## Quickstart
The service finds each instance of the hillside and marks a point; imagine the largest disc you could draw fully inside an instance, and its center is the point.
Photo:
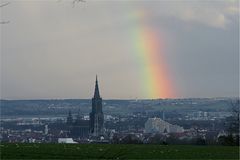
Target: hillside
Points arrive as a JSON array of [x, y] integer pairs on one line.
[[120, 107]]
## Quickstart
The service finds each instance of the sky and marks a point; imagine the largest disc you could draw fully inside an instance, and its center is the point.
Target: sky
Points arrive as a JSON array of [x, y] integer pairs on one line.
[[53, 49]]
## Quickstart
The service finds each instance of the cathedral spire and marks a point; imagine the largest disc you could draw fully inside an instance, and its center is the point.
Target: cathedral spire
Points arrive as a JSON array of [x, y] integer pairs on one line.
[[96, 92], [96, 116]]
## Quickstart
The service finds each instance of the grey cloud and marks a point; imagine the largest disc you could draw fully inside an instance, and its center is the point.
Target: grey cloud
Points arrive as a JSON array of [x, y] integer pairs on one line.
[[53, 50]]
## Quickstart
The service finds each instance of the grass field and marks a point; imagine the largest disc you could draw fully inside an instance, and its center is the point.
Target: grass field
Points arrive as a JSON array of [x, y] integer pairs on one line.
[[116, 151]]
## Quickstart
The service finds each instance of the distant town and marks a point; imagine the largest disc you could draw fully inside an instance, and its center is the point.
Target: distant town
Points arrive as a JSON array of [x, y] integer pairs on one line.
[[164, 121]]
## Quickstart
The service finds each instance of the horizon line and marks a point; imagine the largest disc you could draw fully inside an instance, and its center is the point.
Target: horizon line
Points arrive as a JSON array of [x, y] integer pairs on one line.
[[135, 99]]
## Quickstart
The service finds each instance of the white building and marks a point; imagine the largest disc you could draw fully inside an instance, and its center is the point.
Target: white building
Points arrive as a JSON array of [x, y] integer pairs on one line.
[[66, 140], [46, 129], [157, 125]]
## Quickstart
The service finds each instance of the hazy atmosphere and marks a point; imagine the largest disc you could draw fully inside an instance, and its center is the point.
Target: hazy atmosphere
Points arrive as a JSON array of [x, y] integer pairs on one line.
[[54, 49]]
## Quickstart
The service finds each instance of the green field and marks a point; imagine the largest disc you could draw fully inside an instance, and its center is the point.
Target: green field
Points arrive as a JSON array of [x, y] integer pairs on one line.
[[116, 151]]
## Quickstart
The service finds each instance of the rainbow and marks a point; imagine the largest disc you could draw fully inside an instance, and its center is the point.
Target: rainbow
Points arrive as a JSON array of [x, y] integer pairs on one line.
[[149, 49]]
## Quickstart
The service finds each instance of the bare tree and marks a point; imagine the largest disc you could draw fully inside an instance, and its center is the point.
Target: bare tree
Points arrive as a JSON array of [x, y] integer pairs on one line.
[[7, 3], [4, 22], [74, 1], [77, 1], [4, 4], [1, 6]]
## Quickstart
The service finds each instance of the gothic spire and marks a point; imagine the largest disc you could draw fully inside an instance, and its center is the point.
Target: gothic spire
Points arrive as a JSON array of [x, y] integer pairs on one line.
[[96, 92]]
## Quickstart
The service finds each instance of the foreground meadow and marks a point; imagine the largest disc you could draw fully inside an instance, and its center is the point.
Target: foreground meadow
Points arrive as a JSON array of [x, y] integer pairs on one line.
[[116, 151]]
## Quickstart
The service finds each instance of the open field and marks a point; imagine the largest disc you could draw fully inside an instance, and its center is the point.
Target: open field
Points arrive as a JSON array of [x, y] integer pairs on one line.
[[116, 151]]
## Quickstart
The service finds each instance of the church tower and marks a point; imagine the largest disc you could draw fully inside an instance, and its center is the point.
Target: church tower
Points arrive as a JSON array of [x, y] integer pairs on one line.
[[96, 116]]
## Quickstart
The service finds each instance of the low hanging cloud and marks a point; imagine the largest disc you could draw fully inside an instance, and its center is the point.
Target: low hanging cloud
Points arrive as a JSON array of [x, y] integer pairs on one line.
[[210, 13], [217, 14]]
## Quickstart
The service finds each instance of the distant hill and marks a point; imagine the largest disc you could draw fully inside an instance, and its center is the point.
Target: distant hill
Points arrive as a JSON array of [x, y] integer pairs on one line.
[[61, 107]]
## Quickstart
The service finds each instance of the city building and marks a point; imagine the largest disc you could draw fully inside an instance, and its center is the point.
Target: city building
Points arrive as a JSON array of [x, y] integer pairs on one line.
[[80, 128], [96, 116], [157, 125], [69, 118], [46, 129], [66, 140]]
